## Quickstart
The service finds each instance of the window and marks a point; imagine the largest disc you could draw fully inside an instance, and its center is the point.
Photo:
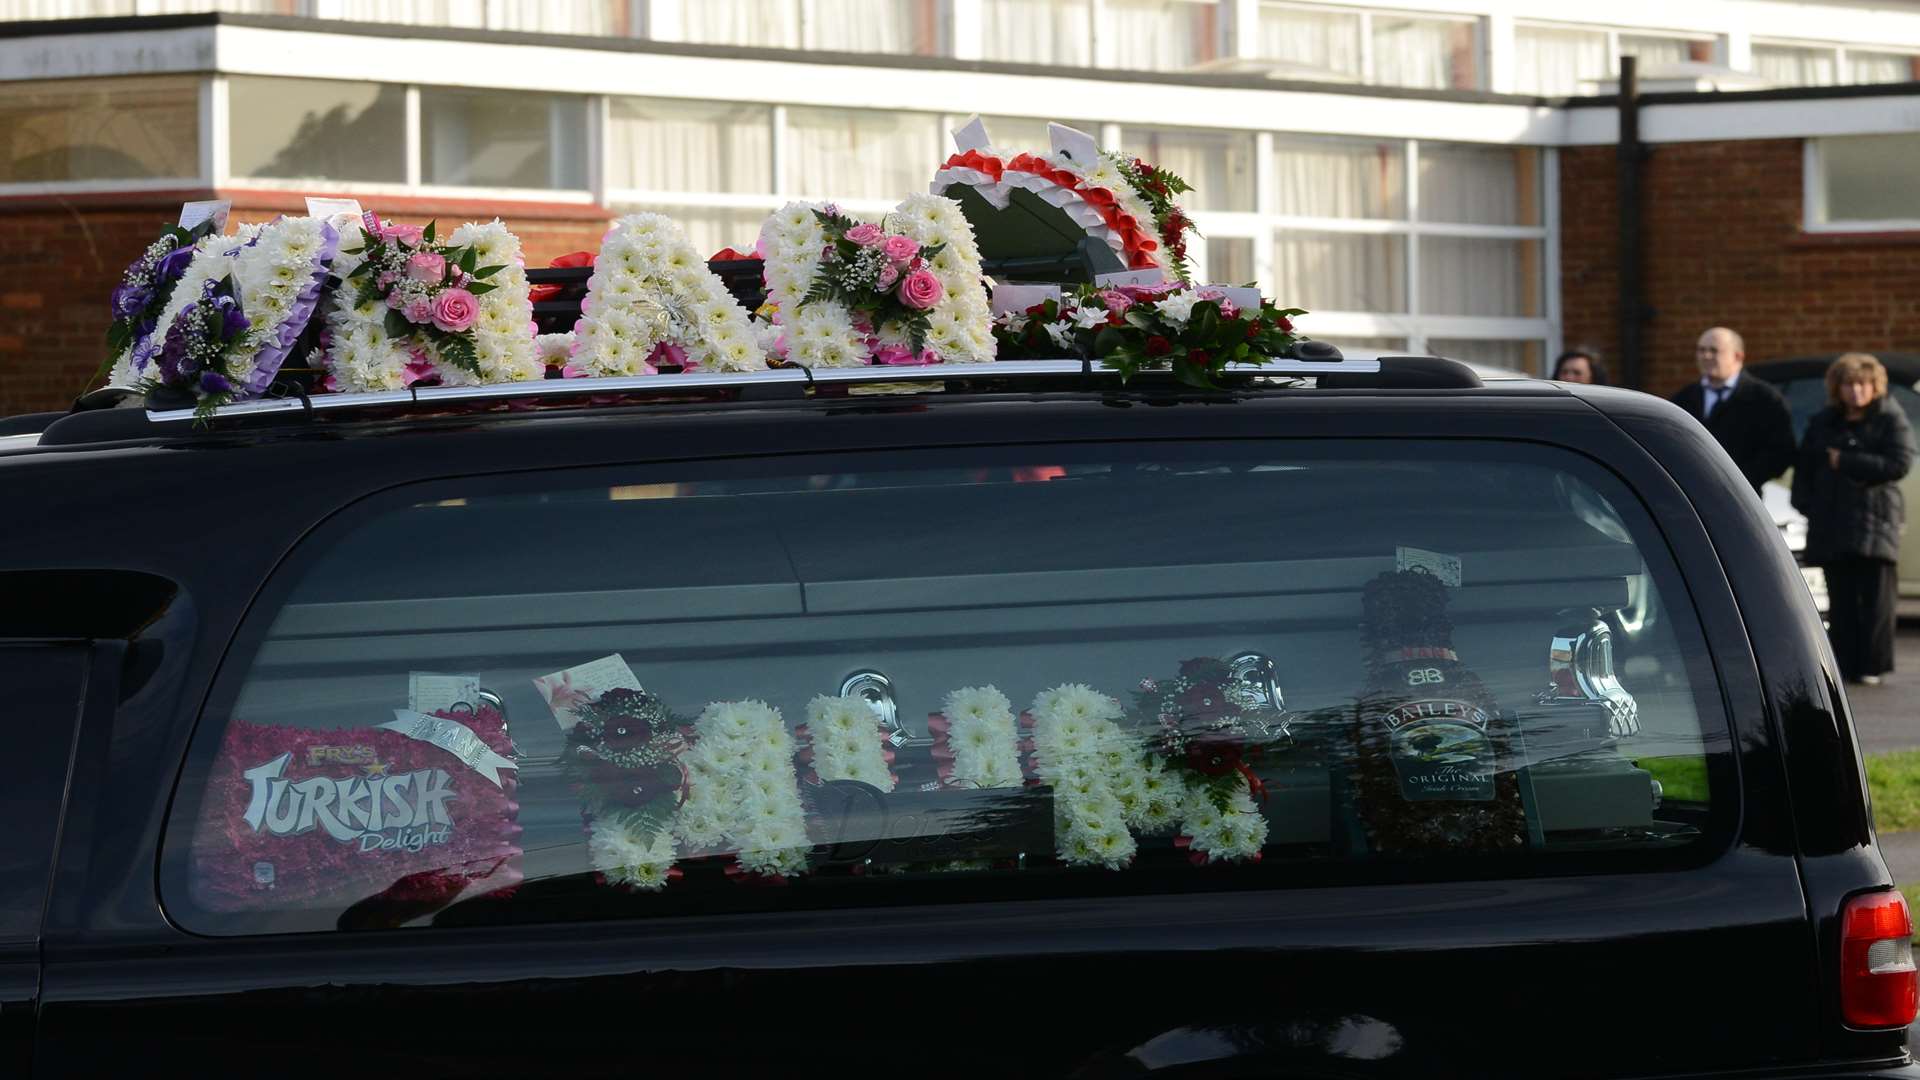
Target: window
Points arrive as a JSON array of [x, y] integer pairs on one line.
[[1881, 67], [659, 145], [1326, 271], [300, 811], [1312, 44], [100, 129], [1434, 54], [1559, 61], [1219, 164], [860, 153], [1162, 35], [309, 128], [1339, 178], [1056, 32], [1490, 185], [773, 24], [1228, 260], [1463, 275], [1795, 65], [1368, 344], [1864, 181], [494, 138], [1027, 134], [882, 26], [1664, 51]]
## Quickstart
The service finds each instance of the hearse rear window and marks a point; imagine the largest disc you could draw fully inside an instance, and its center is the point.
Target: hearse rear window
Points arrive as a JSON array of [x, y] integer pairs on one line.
[[951, 676]]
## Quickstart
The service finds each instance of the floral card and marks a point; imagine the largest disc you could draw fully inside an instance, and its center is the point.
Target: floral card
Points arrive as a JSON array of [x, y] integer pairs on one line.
[[566, 691], [429, 693]]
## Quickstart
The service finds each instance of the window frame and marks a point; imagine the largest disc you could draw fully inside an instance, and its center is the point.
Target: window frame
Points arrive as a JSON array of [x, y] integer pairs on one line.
[[1813, 186], [1703, 650]]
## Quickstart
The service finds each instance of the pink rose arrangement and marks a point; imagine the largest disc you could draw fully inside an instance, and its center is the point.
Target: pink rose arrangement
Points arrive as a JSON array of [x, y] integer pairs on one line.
[[885, 280], [431, 289]]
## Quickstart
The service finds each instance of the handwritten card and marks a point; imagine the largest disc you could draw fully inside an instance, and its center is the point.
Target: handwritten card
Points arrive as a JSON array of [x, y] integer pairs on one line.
[[1153, 275], [1073, 143], [1011, 298], [971, 135], [1444, 567], [333, 208], [429, 693], [214, 210], [565, 691]]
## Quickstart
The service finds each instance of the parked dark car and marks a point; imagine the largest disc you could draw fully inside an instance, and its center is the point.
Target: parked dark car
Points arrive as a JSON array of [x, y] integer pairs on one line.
[[390, 734], [1803, 381]]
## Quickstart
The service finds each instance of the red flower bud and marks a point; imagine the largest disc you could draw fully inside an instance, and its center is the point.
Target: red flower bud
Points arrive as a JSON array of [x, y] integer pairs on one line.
[[1198, 357], [1158, 346]]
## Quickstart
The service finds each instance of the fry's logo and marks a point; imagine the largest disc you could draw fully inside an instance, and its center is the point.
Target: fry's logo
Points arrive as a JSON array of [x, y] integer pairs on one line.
[[403, 812]]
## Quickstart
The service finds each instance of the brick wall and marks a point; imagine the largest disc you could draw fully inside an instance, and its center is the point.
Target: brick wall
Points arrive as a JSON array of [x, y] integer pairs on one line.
[[1724, 246], [61, 257]]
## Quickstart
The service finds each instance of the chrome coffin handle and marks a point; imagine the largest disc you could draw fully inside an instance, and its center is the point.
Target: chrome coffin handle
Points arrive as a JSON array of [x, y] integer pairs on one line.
[[877, 691], [1580, 673]]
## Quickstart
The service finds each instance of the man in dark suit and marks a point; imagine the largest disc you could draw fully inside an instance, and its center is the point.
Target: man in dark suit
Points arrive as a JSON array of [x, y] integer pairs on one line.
[[1749, 417]]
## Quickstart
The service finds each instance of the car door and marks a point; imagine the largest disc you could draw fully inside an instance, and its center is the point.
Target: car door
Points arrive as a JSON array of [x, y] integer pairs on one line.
[[348, 862]]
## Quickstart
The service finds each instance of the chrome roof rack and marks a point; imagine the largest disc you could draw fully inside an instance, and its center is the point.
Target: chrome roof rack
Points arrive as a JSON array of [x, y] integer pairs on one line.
[[796, 379]]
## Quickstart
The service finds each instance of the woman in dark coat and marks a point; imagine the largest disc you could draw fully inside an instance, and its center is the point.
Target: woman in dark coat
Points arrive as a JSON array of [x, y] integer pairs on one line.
[[1847, 483]]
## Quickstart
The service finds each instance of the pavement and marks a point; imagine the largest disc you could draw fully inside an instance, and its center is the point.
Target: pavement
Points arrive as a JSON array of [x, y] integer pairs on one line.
[[1887, 717]]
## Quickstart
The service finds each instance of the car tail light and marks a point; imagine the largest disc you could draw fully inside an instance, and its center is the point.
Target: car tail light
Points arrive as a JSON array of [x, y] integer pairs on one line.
[[1878, 986]]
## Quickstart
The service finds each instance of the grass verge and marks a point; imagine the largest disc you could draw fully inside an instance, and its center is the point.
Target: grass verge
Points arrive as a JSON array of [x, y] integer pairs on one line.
[[1894, 780]]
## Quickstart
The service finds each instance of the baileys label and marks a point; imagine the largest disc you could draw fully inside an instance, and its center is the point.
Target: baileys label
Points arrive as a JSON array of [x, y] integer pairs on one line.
[[1441, 751]]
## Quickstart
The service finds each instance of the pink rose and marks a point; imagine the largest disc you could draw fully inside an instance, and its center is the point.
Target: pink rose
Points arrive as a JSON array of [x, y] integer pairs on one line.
[[902, 355], [920, 290], [888, 275], [396, 301], [406, 234], [901, 249], [420, 311], [866, 234], [1117, 302], [427, 267], [454, 310], [667, 354]]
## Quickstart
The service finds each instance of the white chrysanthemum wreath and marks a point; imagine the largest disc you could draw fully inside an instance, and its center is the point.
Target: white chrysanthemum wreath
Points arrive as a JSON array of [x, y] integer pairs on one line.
[[974, 741], [214, 257], [743, 793], [652, 301], [363, 356], [847, 742], [1104, 784], [827, 332]]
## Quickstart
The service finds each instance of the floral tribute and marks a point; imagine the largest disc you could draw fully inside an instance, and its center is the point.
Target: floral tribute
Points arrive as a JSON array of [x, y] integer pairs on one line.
[[745, 795], [623, 755], [1194, 330], [413, 309], [1206, 727], [235, 314], [1104, 784], [366, 817], [974, 743], [652, 303], [144, 289], [1123, 202], [848, 293], [846, 742]]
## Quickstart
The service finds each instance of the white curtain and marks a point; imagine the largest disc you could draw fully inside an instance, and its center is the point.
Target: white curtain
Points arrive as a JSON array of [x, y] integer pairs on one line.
[[1557, 63], [462, 13], [766, 23], [1473, 276], [1660, 50], [1340, 271], [598, 18], [1491, 185], [690, 146], [1218, 164], [1224, 260], [1789, 65], [1435, 54], [1339, 178], [1037, 31], [1159, 35], [857, 153], [11, 10], [882, 26], [1316, 41], [1871, 67]]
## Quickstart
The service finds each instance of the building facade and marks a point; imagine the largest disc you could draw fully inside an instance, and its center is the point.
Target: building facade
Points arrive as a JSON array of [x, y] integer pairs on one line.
[[1432, 176]]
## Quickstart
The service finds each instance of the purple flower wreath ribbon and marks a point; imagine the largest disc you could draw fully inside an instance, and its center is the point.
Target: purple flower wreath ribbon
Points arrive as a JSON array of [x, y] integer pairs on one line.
[[267, 362]]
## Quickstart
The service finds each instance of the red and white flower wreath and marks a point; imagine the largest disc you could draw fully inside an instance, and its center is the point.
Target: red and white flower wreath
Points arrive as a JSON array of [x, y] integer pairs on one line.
[[1115, 215]]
